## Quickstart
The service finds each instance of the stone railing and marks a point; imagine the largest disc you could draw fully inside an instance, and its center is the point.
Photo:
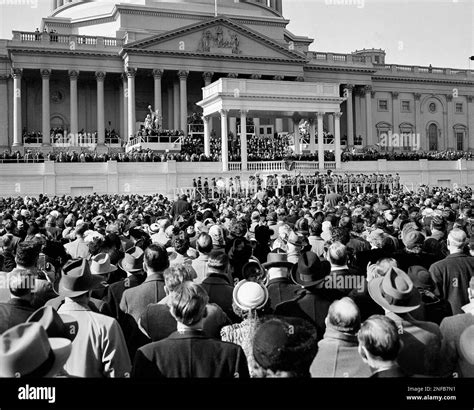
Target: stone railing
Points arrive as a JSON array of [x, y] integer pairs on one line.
[[336, 58], [66, 40], [408, 69]]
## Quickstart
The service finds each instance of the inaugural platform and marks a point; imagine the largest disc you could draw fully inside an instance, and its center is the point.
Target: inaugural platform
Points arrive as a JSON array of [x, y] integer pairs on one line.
[[215, 89]]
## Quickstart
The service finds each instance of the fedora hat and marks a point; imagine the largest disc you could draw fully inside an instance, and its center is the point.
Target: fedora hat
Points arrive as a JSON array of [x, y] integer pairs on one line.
[[249, 295], [295, 239], [26, 351], [100, 264], [154, 228], [395, 292], [76, 278], [277, 260], [309, 270], [133, 260], [55, 324]]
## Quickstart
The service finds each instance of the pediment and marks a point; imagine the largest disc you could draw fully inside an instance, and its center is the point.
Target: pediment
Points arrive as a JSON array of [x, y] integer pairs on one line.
[[218, 36]]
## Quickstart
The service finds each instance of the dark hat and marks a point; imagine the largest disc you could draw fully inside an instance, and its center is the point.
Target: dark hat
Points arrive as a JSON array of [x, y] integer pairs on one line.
[[285, 344], [421, 278], [132, 260], [309, 270], [276, 260], [395, 292], [55, 324], [238, 229], [76, 278], [302, 226], [254, 271]]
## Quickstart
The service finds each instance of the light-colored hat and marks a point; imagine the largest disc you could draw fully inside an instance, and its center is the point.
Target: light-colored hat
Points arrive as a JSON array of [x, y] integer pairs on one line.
[[250, 295], [100, 264], [26, 351], [154, 228]]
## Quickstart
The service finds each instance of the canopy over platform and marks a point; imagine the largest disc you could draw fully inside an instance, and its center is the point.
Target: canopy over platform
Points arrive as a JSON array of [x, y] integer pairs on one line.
[[235, 97]]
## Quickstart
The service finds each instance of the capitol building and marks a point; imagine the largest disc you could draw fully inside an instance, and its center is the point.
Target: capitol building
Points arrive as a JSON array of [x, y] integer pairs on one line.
[[105, 65]]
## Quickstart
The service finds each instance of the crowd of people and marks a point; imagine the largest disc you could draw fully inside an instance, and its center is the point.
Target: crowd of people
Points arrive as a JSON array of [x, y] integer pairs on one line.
[[332, 284], [59, 135], [374, 155]]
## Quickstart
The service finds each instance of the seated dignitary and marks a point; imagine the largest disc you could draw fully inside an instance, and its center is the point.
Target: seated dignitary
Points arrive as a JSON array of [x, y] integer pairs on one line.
[[284, 347], [421, 341], [379, 346], [338, 354], [157, 322], [99, 348], [189, 352]]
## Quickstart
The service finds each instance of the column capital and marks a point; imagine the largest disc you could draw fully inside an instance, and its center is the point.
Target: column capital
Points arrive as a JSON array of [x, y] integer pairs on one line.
[[320, 115], [17, 72], [417, 96], [300, 79], [395, 94], [183, 74], [256, 76], [73, 74], [349, 87], [207, 75], [367, 89], [279, 78], [244, 112], [130, 72], [449, 97], [232, 75], [223, 113], [157, 73], [45, 73], [100, 75], [338, 115]]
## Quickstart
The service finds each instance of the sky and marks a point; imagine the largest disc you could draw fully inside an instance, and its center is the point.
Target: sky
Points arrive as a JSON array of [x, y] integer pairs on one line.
[[412, 32]]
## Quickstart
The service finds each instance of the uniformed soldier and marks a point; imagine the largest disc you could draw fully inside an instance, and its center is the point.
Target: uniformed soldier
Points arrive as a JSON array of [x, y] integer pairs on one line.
[[206, 188]]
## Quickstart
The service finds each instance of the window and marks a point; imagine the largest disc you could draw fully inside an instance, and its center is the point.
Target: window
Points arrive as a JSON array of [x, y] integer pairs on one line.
[[384, 132], [383, 105], [406, 106], [459, 108], [377, 60], [459, 140], [432, 107]]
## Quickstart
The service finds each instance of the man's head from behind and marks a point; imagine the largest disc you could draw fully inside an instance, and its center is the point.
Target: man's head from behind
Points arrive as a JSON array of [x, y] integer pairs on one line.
[[337, 254], [204, 244], [379, 341], [176, 275], [188, 303], [156, 259], [344, 316], [457, 239], [27, 254]]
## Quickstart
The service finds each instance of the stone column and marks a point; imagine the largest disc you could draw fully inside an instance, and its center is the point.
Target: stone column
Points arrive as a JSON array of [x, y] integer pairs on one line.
[[157, 76], [331, 124], [100, 77], [470, 123], [207, 136], [4, 112], [183, 97], [45, 108], [368, 104], [73, 76], [131, 72], [170, 108], [358, 120], [224, 141], [395, 114], [256, 123], [176, 112], [125, 107], [337, 138], [320, 117], [312, 135], [424, 144], [296, 132], [450, 140], [278, 125], [207, 76], [17, 125], [350, 116], [243, 139]]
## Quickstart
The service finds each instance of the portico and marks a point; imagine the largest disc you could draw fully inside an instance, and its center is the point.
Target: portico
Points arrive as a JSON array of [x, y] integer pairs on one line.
[[231, 98]]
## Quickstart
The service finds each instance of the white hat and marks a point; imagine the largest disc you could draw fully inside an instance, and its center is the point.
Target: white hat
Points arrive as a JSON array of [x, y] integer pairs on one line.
[[250, 295]]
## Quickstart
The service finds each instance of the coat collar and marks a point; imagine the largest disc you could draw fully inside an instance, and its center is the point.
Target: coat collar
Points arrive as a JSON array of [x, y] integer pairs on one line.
[[216, 278], [188, 334], [155, 277], [345, 338], [279, 280], [456, 255]]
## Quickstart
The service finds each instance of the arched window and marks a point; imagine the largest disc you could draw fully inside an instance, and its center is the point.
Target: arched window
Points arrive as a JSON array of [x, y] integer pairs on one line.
[[433, 133], [459, 135]]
